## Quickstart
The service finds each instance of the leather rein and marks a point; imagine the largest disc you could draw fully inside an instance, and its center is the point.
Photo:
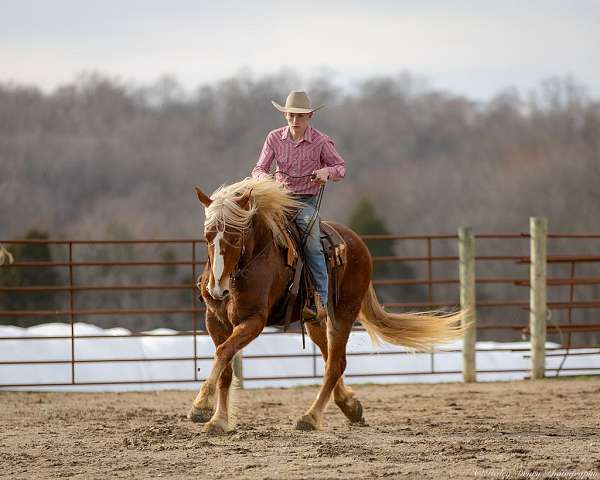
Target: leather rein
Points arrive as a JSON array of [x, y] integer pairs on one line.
[[240, 271]]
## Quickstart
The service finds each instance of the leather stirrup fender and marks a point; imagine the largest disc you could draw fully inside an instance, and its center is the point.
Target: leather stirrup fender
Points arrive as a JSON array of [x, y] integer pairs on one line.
[[293, 293]]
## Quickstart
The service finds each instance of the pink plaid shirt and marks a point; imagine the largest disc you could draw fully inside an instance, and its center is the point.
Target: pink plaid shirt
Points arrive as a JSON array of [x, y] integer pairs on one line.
[[295, 161]]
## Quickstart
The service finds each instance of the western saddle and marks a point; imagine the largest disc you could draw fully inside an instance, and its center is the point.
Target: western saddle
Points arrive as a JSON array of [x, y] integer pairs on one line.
[[301, 289]]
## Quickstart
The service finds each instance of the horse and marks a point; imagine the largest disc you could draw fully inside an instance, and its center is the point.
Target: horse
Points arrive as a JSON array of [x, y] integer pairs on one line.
[[5, 256], [245, 277]]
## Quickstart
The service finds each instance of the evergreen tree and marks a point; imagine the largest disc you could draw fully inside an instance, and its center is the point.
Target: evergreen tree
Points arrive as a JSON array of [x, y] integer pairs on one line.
[[365, 221], [19, 276]]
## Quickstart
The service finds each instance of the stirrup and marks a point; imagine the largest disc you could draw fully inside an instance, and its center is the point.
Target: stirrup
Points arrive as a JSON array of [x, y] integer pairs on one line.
[[308, 313]]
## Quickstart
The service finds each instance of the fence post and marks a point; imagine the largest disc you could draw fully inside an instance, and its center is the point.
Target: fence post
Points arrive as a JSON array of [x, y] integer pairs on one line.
[[238, 369], [538, 227], [466, 251]]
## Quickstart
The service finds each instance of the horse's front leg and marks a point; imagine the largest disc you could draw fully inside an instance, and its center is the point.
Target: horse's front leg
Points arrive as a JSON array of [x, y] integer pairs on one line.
[[242, 335], [203, 406]]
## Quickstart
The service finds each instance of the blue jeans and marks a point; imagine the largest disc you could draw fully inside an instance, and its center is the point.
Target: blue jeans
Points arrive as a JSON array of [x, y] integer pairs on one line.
[[313, 252]]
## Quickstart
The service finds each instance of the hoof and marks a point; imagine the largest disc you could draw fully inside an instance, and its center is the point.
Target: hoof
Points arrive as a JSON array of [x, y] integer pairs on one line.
[[306, 423], [353, 411], [216, 428], [200, 415]]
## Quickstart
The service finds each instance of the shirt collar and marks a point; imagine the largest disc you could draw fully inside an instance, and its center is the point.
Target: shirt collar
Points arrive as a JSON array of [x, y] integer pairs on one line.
[[308, 136]]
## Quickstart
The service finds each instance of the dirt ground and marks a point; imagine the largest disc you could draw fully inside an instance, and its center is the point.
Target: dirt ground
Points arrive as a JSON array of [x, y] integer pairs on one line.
[[528, 429]]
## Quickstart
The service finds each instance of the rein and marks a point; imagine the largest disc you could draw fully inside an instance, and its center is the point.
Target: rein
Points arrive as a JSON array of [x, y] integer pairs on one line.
[[240, 271]]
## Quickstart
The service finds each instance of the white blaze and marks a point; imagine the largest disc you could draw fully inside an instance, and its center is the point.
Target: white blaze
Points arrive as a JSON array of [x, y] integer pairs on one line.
[[218, 261]]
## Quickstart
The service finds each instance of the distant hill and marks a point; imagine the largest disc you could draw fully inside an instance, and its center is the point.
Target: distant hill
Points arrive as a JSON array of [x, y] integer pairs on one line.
[[99, 158]]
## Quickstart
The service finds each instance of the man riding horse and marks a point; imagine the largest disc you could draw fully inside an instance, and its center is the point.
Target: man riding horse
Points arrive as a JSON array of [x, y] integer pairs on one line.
[[247, 272], [305, 158]]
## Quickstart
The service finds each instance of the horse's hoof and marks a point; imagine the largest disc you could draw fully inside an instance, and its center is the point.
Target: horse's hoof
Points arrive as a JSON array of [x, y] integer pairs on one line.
[[353, 411], [200, 415], [306, 423], [216, 428]]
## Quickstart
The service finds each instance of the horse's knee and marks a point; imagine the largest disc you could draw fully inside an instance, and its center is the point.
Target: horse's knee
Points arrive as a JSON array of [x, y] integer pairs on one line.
[[224, 353]]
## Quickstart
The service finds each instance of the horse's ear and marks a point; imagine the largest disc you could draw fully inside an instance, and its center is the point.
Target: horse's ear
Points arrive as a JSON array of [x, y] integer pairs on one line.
[[204, 199]]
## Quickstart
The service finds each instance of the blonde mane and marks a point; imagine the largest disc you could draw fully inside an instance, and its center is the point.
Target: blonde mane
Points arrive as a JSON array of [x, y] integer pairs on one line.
[[270, 200]]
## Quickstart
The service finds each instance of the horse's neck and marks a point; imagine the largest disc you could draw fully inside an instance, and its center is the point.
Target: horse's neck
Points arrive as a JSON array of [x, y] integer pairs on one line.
[[261, 237], [260, 268]]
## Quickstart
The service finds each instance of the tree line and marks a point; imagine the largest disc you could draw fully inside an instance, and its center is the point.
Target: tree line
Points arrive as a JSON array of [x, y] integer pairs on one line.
[[100, 158]]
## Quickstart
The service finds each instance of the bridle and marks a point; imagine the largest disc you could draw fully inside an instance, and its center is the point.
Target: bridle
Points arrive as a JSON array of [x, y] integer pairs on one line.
[[241, 270]]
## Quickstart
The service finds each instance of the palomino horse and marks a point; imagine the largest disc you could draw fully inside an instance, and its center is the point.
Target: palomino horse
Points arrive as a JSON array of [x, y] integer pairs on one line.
[[5, 256], [245, 277]]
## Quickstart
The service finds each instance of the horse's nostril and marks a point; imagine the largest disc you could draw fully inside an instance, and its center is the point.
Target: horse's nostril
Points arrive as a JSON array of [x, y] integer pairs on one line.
[[225, 293]]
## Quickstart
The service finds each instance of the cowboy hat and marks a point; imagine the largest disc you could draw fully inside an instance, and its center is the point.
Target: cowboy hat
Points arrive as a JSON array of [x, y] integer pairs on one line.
[[296, 102]]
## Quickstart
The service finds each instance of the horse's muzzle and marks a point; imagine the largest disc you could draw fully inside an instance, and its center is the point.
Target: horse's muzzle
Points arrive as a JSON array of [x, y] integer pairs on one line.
[[217, 296]]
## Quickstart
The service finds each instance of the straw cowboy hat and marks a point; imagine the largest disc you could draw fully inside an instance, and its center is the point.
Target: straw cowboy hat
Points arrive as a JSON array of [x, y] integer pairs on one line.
[[296, 102]]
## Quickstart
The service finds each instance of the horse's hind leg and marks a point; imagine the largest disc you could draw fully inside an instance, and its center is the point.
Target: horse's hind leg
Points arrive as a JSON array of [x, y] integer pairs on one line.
[[335, 365], [342, 395], [203, 406], [348, 403]]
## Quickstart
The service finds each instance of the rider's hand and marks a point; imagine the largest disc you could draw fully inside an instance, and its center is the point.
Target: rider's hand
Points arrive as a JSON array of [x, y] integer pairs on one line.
[[320, 176]]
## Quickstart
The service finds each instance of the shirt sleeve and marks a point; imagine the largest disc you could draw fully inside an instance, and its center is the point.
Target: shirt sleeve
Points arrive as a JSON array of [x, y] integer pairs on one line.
[[333, 161], [265, 160]]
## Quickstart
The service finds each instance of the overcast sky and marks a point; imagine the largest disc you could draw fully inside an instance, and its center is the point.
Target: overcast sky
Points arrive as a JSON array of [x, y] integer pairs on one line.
[[475, 47]]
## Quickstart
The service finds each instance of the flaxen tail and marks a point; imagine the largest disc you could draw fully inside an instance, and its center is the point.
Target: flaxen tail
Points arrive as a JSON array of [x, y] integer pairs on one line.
[[416, 331]]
